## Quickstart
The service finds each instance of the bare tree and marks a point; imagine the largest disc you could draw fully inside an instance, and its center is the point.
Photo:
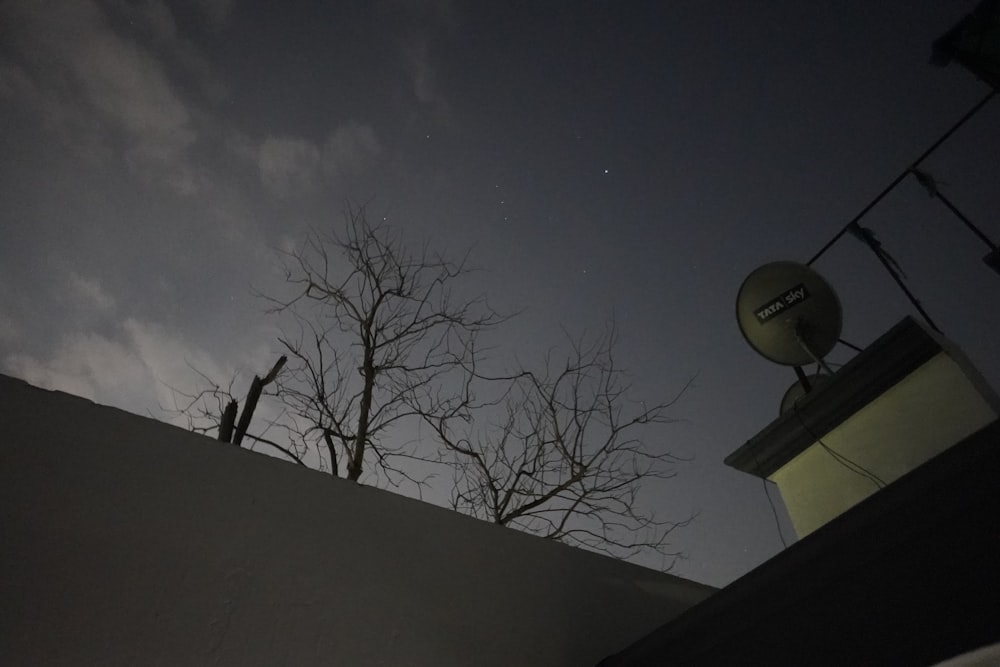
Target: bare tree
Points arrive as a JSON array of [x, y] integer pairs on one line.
[[376, 337], [376, 329], [561, 456]]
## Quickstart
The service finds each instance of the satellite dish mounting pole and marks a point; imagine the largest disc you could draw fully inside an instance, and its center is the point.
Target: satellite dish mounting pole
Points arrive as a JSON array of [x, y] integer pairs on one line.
[[803, 378], [800, 336]]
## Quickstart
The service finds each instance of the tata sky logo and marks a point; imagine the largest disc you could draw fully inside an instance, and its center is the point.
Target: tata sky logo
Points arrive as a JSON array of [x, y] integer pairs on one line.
[[780, 303]]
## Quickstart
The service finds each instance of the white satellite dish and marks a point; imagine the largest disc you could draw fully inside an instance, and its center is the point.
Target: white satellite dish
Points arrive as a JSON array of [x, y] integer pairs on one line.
[[789, 313]]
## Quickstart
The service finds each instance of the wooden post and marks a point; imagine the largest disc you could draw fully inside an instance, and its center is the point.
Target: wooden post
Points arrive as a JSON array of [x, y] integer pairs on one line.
[[256, 387], [228, 421], [248, 407]]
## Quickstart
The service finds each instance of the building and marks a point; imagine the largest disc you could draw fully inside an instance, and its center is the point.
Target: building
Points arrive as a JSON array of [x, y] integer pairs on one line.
[[889, 473], [126, 541]]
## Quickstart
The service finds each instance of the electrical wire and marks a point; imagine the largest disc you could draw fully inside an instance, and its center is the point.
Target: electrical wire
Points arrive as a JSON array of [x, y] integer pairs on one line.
[[906, 172], [774, 510], [853, 466]]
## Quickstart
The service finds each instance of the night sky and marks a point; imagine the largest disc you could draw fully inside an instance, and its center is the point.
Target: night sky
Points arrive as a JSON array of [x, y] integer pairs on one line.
[[633, 160]]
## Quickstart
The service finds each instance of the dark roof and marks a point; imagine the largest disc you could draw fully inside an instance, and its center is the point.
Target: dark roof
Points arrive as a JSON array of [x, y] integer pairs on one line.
[[907, 577]]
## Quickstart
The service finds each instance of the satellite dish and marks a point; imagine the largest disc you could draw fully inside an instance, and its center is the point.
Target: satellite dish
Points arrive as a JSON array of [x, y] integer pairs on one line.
[[798, 390], [789, 313]]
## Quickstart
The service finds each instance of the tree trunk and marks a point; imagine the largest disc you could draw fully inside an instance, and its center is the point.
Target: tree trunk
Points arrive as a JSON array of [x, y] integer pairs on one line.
[[356, 463]]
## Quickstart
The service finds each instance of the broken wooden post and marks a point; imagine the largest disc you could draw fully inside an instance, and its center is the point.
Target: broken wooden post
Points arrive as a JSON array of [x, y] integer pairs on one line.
[[256, 387], [228, 421]]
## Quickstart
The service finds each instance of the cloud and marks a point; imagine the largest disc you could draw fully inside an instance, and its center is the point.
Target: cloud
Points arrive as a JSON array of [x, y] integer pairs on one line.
[[102, 93], [139, 367], [423, 77], [130, 364], [84, 364], [128, 87], [287, 165], [216, 11], [151, 18], [88, 293], [9, 331], [290, 165], [170, 358], [133, 370], [421, 72], [434, 16], [350, 149], [76, 130]]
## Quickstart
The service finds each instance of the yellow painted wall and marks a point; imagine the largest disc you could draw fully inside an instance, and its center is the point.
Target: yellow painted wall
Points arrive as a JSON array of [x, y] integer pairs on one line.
[[930, 410]]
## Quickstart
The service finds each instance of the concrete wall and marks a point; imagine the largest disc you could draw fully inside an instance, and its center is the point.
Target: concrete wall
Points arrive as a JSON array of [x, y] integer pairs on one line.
[[129, 542], [928, 411]]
